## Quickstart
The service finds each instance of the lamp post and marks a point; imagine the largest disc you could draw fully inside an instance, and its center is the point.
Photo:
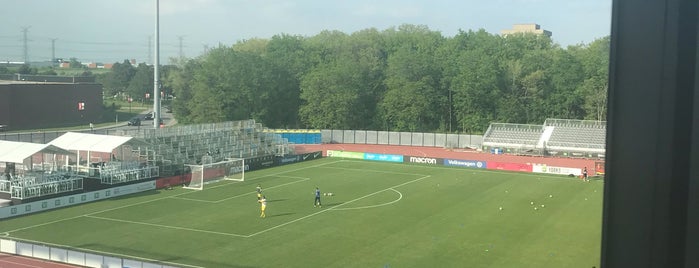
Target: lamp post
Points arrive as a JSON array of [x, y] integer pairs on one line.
[[156, 80]]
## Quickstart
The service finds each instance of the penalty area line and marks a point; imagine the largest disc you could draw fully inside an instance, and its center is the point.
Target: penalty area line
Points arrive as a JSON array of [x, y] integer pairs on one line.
[[334, 208], [164, 226]]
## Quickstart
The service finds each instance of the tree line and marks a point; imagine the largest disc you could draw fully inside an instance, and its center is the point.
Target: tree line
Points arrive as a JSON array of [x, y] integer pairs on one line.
[[407, 78]]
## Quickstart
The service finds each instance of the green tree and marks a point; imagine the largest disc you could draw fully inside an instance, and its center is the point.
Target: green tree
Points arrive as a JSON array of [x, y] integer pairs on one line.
[[117, 81], [74, 63], [26, 69], [141, 83], [180, 79], [595, 61], [413, 101], [477, 90], [233, 85]]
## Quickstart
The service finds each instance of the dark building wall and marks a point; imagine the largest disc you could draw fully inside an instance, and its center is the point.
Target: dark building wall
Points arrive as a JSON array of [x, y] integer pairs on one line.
[[4, 105], [30, 106]]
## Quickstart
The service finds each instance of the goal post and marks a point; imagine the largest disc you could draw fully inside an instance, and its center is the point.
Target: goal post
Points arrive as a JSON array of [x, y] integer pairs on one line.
[[232, 169]]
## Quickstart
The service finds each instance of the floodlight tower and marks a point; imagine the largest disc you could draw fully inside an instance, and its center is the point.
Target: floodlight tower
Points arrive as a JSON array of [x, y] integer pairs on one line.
[[156, 64]]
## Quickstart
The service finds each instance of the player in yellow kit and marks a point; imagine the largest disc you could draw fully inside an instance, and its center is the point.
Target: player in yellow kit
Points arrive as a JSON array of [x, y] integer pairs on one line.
[[263, 206]]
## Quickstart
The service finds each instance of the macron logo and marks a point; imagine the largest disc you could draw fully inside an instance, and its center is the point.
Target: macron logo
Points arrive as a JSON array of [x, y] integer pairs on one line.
[[423, 160]]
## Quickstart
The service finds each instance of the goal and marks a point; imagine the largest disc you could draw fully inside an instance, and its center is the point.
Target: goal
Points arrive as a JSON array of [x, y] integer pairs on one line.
[[230, 169]]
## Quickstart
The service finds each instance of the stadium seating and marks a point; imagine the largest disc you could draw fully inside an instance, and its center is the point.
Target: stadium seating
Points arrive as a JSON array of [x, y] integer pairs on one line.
[[563, 137], [512, 135], [577, 134], [194, 144]]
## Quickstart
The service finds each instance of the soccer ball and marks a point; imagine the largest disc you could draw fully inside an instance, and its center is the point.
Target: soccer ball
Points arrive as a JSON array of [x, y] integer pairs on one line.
[[325, 194]]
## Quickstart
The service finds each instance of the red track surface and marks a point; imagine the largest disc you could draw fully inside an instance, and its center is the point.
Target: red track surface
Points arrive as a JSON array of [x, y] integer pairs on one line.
[[452, 154], [16, 261]]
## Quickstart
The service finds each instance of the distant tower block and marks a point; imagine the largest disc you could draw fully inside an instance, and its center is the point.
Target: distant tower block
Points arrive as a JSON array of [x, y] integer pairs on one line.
[[526, 28]]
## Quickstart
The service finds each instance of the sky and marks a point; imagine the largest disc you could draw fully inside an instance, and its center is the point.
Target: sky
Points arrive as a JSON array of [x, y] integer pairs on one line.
[[113, 30]]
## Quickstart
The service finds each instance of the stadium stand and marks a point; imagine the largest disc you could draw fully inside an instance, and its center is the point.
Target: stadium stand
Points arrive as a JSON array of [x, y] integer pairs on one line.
[[111, 159], [518, 138], [556, 137], [84, 161], [171, 148]]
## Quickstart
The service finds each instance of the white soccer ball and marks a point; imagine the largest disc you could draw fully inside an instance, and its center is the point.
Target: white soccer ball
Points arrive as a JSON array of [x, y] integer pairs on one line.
[[542, 206], [550, 196], [536, 208], [531, 202], [500, 208]]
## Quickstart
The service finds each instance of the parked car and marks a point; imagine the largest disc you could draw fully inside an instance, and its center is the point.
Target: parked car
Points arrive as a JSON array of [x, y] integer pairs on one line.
[[148, 116], [134, 122]]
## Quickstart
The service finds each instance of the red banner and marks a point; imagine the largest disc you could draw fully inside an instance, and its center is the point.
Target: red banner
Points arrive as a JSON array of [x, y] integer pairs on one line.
[[509, 166], [172, 181]]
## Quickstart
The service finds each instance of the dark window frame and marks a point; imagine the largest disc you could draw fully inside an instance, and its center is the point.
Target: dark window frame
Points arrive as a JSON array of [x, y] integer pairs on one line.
[[651, 197]]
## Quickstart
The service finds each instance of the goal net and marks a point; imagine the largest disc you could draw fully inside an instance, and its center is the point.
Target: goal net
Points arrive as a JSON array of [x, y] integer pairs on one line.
[[231, 169]]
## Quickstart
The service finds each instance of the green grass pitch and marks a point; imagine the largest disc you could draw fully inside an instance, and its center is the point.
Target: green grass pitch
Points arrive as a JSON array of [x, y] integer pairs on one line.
[[381, 215]]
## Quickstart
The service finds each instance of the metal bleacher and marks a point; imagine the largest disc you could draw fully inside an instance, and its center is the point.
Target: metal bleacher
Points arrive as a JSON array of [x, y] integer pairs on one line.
[[172, 147], [577, 135], [512, 135], [561, 137]]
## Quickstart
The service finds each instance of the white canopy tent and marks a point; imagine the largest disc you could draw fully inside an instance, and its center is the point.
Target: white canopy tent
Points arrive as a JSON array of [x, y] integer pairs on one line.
[[93, 143], [17, 152], [89, 142], [22, 152]]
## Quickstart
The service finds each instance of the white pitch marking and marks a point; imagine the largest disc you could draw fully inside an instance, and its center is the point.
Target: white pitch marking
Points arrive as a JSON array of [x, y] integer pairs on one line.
[[379, 205], [164, 226], [276, 186], [152, 200], [328, 209]]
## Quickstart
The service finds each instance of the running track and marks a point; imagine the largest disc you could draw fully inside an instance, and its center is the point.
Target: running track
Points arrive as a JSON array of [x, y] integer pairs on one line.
[[16, 261]]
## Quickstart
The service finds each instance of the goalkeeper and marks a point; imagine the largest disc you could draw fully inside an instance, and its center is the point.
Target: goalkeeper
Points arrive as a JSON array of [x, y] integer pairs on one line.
[[317, 200]]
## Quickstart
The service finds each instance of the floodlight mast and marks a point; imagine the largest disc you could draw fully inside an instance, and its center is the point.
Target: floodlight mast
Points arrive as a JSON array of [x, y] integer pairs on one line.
[[156, 81]]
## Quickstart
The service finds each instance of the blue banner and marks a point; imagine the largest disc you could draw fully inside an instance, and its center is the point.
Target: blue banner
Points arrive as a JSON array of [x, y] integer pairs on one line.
[[465, 163], [383, 157]]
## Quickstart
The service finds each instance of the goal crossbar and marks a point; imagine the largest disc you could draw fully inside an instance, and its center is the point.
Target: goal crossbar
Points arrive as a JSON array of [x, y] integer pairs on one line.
[[230, 169]]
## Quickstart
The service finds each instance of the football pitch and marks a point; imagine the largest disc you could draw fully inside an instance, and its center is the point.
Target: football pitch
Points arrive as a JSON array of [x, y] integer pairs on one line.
[[380, 215]]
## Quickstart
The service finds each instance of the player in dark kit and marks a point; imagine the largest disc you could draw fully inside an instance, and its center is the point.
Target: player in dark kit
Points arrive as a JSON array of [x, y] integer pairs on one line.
[[585, 175], [317, 200]]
